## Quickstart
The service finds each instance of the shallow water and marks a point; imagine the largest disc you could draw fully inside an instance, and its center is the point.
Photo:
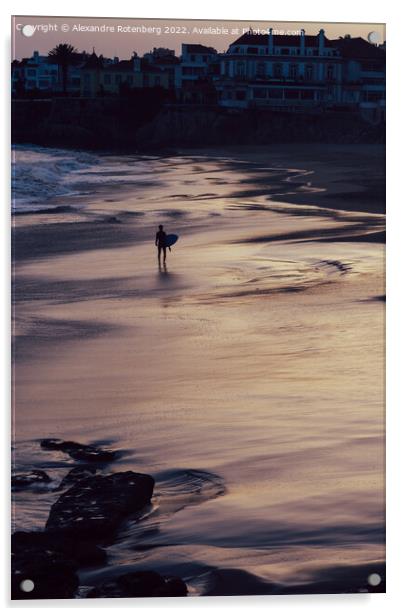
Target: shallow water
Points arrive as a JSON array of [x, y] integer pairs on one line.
[[246, 376]]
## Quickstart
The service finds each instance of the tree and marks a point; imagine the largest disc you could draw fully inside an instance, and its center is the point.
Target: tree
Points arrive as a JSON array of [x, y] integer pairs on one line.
[[63, 55]]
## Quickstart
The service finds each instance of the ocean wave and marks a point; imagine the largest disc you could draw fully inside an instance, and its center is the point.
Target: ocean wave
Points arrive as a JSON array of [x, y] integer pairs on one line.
[[39, 174]]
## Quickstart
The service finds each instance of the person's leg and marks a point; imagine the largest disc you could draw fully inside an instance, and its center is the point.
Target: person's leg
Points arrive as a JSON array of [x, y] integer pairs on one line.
[[159, 252], [164, 253]]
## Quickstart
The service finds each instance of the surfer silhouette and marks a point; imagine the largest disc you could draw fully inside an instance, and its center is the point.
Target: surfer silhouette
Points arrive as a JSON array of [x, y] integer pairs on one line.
[[160, 242]]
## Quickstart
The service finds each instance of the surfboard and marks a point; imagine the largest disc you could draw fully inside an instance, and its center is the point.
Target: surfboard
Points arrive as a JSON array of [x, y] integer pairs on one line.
[[171, 239]]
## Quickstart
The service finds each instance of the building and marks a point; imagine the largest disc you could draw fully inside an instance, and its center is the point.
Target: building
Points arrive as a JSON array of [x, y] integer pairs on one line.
[[100, 77], [194, 63], [363, 76], [166, 60], [300, 72], [280, 72], [42, 74], [36, 73]]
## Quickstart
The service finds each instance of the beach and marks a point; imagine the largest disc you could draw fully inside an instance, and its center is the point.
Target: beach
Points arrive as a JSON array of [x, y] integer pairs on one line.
[[246, 376]]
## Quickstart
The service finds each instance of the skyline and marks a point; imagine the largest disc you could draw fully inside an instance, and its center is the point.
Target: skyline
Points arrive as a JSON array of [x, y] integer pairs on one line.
[[170, 33]]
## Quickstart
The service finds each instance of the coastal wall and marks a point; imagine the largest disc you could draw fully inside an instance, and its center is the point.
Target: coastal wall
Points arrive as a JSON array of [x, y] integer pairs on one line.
[[120, 123]]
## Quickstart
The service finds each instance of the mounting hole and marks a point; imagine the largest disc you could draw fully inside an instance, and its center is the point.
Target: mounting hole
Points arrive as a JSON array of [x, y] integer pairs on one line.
[[373, 37], [374, 579], [28, 30], [27, 585]]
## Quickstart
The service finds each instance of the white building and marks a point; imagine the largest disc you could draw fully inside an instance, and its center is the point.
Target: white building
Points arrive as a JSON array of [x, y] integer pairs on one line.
[[41, 73], [35, 73], [194, 64], [300, 72]]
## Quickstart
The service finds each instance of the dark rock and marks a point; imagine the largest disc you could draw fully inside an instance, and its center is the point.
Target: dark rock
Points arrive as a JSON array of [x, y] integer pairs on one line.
[[140, 584], [54, 576], [77, 474], [78, 451], [83, 553], [173, 587], [94, 507], [23, 480]]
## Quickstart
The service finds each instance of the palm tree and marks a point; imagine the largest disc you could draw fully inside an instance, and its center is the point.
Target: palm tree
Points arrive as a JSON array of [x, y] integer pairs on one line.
[[63, 55]]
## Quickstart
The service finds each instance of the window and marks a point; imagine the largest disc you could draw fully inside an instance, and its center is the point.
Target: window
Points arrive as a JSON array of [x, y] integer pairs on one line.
[[31, 72], [285, 51], [292, 94], [192, 58], [307, 95], [374, 96], [370, 66], [330, 71], [252, 50], [259, 93], [293, 71], [309, 72], [275, 93], [240, 95], [240, 69], [117, 79], [260, 69], [107, 80], [277, 70], [157, 81]]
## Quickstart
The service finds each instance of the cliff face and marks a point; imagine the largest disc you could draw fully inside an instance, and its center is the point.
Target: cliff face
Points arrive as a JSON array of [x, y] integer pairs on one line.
[[120, 123]]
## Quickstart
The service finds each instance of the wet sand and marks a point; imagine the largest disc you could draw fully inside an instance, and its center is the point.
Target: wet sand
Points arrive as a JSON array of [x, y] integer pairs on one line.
[[255, 357]]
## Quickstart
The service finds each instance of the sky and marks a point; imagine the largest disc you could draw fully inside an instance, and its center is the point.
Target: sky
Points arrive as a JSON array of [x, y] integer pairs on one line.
[[122, 36]]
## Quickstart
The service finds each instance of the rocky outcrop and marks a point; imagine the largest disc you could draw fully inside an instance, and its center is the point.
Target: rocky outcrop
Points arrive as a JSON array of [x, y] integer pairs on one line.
[[86, 515], [24, 480], [83, 552], [94, 507], [140, 584], [52, 572], [76, 474], [78, 451]]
